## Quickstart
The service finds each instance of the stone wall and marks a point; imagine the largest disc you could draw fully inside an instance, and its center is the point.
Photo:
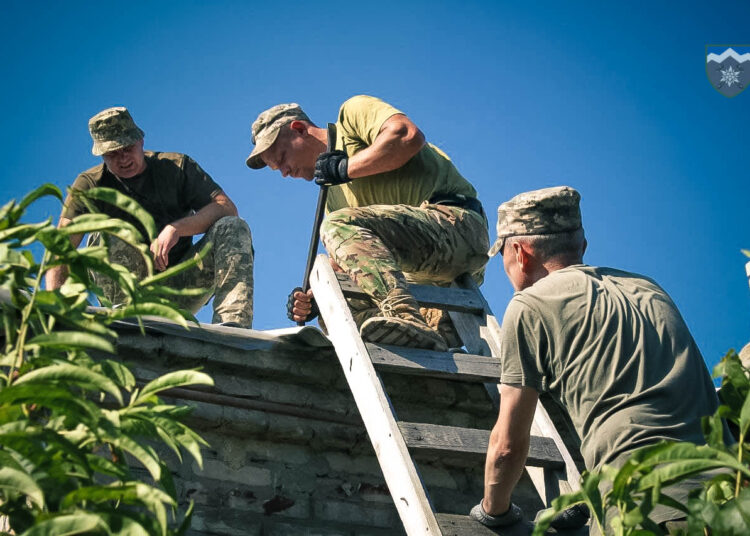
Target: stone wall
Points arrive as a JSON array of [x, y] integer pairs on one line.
[[288, 452]]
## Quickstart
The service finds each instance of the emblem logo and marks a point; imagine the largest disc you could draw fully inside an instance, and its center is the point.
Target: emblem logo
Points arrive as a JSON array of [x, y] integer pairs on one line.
[[728, 68]]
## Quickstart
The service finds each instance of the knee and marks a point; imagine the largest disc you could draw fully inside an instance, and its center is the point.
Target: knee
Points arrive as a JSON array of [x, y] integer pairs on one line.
[[230, 227]]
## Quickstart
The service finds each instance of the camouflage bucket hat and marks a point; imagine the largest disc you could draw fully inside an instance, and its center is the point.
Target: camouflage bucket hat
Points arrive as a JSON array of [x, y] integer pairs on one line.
[[113, 129], [539, 212], [266, 128]]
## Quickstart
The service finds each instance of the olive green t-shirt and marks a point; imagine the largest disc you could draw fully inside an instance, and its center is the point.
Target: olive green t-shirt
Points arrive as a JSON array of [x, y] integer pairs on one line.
[[428, 172], [172, 186], [612, 347]]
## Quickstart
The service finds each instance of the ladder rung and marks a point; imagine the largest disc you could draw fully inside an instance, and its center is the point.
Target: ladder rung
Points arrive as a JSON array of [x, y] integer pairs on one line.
[[450, 299], [419, 362], [440, 439]]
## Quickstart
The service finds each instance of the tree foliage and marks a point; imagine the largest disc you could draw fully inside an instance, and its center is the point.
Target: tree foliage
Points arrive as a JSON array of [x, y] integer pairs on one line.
[[71, 416], [721, 502]]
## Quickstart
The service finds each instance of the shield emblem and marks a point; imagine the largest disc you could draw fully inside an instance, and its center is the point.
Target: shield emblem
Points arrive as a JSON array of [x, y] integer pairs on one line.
[[728, 68]]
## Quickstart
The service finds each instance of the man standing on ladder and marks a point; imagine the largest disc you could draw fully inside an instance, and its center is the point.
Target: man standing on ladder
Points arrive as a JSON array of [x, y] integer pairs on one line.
[[398, 210], [609, 345]]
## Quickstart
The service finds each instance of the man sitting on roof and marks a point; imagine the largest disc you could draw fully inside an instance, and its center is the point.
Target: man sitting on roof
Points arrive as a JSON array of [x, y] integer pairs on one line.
[[184, 201]]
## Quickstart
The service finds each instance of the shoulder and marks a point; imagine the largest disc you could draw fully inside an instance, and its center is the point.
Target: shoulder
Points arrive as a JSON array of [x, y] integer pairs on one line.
[[364, 103], [166, 158], [90, 177]]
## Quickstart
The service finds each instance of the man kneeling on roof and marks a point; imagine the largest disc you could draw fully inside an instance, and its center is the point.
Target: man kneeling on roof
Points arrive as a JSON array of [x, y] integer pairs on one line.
[[609, 345], [398, 212]]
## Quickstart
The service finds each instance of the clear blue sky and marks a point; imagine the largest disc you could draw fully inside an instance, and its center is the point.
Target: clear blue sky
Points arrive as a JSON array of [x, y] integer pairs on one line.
[[611, 99]]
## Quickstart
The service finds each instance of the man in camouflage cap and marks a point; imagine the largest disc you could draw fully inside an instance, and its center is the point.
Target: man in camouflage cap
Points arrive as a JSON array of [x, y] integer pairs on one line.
[[398, 211], [609, 345], [184, 201]]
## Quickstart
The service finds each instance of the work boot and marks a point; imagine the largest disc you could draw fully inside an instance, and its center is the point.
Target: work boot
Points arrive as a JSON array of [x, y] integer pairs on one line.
[[400, 324]]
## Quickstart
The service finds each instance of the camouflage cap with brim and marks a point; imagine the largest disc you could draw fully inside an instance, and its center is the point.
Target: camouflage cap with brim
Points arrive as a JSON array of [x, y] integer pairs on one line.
[[539, 212], [266, 128], [113, 129]]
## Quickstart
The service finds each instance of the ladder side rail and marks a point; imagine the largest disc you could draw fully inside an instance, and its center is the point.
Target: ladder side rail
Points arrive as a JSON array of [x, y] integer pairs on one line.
[[404, 483]]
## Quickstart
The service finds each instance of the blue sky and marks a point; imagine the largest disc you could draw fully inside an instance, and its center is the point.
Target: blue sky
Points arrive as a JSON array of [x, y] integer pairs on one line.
[[611, 99]]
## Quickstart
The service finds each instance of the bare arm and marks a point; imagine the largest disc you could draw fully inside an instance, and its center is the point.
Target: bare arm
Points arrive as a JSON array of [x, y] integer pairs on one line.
[[398, 140], [191, 225], [55, 276], [508, 447]]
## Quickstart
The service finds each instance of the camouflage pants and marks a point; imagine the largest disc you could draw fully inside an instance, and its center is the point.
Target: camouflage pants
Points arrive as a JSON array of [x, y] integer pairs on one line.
[[226, 274], [382, 247]]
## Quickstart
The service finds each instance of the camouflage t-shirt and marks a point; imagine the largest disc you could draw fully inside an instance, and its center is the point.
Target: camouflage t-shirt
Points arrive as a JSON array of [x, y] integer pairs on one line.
[[428, 172], [612, 347], [172, 186]]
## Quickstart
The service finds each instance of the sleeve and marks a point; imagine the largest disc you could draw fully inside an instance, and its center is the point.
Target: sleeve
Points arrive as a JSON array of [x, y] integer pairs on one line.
[[199, 187], [523, 347], [362, 117], [72, 207]]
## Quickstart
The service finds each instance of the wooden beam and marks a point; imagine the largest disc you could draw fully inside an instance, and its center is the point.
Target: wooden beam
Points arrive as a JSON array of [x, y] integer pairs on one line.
[[440, 439], [455, 525], [418, 362]]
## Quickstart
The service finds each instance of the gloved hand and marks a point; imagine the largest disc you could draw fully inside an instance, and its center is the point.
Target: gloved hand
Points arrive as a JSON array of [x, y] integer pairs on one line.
[[573, 518], [302, 303], [511, 517], [331, 169]]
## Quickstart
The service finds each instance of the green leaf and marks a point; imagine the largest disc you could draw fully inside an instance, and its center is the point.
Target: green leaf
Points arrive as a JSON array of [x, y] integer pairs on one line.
[[123, 202], [71, 339], [179, 378], [20, 232], [79, 522], [116, 372], [746, 252], [92, 223], [15, 481], [41, 191], [185, 265], [71, 374], [146, 309], [745, 416]]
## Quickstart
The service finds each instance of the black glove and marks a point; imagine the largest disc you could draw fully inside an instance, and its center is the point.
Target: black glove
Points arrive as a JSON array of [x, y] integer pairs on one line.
[[511, 517], [573, 518], [331, 169], [290, 306]]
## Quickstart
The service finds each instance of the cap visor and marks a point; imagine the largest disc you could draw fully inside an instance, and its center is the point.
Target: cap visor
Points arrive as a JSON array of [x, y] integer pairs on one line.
[[496, 247], [254, 160]]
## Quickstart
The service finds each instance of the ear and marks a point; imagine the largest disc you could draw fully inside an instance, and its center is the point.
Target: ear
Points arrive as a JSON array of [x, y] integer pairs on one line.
[[300, 127], [523, 257]]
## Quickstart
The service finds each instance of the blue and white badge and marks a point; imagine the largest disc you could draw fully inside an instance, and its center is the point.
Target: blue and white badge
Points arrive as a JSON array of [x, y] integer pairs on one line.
[[728, 68]]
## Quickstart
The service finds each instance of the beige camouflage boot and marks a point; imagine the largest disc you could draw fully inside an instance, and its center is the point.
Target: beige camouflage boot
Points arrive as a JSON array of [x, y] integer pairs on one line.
[[401, 324]]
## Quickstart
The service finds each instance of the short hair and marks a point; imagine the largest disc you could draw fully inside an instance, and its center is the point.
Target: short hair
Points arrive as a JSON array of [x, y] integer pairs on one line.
[[567, 246]]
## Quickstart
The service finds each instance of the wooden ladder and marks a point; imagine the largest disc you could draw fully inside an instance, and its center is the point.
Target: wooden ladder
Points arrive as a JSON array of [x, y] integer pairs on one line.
[[549, 465]]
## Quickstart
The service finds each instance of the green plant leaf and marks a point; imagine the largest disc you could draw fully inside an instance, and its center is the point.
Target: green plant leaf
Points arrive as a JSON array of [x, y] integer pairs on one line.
[[43, 190], [146, 309], [71, 374], [179, 378], [71, 339], [185, 265], [15, 481], [117, 372], [79, 522], [745, 416], [123, 202]]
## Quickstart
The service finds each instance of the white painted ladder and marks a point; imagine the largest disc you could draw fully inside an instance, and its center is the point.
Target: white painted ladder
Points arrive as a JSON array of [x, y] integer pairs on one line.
[[550, 465]]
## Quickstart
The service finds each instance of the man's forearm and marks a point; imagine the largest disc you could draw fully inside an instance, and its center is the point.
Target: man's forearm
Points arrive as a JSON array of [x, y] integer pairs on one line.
[[502, 471], [202, 220], [55, 277]]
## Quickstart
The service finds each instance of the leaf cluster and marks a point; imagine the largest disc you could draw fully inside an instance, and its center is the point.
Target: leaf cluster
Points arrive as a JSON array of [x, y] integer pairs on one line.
[[71, 417], [621, 500]]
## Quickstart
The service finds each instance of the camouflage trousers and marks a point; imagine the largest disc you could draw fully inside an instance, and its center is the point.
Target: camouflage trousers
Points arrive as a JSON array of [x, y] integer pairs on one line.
[[226, 274], [382, 247]]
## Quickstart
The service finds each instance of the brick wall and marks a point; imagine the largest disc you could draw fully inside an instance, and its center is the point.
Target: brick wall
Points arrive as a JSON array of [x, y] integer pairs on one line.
[[288, 453]]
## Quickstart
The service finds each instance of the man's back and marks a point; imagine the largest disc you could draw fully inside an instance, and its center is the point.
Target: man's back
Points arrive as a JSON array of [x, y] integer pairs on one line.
[[614, 349]]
